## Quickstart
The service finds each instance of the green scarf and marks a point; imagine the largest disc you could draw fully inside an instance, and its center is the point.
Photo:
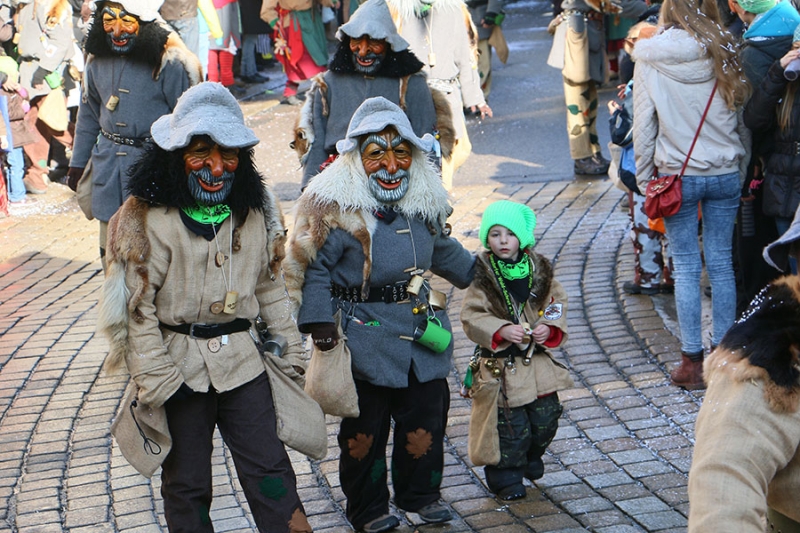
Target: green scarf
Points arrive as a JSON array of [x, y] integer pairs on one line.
[[208, 214]]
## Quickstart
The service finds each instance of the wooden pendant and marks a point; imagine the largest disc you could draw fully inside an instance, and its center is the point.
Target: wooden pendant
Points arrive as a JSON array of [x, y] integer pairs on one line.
[[230, 302], [113, 100]]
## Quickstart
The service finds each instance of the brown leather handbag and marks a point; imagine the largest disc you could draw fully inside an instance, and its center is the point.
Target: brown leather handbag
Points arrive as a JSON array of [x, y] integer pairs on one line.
[[663, 194]]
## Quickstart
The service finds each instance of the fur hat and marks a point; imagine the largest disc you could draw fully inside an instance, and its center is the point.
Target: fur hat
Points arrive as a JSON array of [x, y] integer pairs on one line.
[[374, 115], [757, 6], [209, 109], [519, 218], [777, 252], [146, 10], [372, 18]]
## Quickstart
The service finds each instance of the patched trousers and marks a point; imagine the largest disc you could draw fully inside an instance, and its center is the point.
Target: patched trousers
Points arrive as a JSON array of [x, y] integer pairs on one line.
[[246, 420], [419, 412], [581, 100]]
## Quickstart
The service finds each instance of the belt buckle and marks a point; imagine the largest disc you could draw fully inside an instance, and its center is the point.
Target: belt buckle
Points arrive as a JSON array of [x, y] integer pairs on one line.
[[389, 292], [191, 329]]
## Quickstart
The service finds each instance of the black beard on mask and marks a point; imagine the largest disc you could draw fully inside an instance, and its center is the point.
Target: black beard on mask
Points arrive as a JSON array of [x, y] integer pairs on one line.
[[131, 37], [388, 196], [377, 60], [203, 196]]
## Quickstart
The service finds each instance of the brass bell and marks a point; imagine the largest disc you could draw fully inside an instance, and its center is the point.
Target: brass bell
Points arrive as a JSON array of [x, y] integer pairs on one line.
[[526, 361], [489, 363], [421, 308], [496, 371]]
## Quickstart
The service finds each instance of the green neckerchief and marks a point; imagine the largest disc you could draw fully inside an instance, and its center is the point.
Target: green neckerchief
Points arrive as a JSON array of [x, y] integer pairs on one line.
[[208, 214], [512, 271]]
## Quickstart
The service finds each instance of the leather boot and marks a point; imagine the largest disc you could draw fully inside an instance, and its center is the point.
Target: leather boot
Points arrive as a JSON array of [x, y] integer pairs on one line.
[[689, 374]]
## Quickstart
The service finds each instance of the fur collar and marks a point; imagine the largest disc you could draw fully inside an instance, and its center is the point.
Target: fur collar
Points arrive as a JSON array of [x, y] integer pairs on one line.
[[395, 65], [156, 46], [764, 344], [485, 280]]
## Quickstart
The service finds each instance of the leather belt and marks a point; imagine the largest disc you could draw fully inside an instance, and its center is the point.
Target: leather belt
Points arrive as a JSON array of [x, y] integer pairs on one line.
[[787, 148], [387, 294], [209, 331], [128, 141]]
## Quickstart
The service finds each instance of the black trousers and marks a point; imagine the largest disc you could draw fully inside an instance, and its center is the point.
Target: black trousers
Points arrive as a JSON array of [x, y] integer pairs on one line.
[[419, 412], [525, 432], [246, 420]]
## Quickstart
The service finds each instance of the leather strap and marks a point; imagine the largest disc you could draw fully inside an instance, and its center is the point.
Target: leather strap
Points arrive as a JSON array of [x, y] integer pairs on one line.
[[697, 133]]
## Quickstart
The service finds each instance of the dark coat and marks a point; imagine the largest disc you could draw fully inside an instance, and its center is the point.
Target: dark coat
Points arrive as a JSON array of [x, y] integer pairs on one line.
[[782, 159], [250, 11], [758, 55]]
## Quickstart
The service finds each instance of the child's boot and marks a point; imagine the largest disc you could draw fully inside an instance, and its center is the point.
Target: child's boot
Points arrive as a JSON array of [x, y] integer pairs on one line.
[[506, 483], [535, 469]]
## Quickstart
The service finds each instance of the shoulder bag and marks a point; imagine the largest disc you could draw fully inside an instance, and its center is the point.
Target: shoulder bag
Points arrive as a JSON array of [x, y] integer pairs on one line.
[[663, 195]]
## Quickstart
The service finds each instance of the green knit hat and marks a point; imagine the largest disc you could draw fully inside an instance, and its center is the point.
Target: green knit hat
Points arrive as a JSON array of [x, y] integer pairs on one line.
[[519, 218], [757, 6]]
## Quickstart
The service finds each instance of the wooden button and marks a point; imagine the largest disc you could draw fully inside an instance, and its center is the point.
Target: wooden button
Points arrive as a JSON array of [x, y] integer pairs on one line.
[[217, 307], [219, 259], [214, 344]]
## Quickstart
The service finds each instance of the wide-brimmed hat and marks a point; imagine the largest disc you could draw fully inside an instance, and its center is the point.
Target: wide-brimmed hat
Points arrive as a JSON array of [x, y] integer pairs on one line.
[[146, 10], [777, 253], [205, 109], [374, 115], [372, 18]]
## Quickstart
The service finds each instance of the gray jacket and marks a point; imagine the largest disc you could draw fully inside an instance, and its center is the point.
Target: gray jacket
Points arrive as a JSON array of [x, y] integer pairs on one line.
[[379, 355], [142, 100], [479, 8], [44, 45], [344, 93]]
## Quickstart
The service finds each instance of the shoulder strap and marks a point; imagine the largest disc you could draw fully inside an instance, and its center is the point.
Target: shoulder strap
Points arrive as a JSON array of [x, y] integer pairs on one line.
[[697, 133]]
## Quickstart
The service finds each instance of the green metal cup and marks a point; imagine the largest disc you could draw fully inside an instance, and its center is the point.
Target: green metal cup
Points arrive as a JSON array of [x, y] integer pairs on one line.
[[433, 336]]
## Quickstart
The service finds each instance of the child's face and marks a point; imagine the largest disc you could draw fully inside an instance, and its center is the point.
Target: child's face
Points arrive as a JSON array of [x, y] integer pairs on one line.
[[503, 243]]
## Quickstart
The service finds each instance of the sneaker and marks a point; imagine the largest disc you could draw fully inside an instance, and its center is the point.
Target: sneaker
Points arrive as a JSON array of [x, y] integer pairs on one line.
[[435, 513], [291, 100], [632, 288], [26, 200], [512, 492], [386, 522], [595, 165], [33, 190]]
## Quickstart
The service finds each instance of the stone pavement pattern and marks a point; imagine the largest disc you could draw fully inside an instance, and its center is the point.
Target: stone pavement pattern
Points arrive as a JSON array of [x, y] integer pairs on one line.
[[619, 462]]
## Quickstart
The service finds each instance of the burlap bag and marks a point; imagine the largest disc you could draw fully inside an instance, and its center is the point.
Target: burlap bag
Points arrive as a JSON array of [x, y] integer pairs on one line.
[[142, 432], [483, 443]]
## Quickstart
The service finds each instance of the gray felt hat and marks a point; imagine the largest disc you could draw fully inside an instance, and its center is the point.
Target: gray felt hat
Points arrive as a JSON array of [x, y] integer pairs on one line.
[[777, 252], [205, 109], [146, 10], [373, 18], [375, 114]]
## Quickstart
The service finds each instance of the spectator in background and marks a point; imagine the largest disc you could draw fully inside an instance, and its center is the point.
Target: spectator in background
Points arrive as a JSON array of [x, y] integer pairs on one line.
[[209, 28], [221, 52], [300, 42], [487, 15], [182, 16], [21, 132], [685, 67], [45, 47], [442, 36], [252, 27], [135, 73]]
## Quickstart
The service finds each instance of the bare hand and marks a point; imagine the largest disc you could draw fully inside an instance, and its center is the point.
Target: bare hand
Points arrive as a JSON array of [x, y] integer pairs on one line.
[[541, 333], [513, 333], [484, 109], [790, 56], [613, 106], [621, 91]]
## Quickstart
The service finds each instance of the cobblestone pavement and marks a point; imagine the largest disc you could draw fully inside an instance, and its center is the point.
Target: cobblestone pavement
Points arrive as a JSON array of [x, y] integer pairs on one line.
[[619, 462]]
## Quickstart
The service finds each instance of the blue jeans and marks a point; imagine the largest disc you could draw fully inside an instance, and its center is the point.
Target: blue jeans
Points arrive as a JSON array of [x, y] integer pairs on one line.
[[248, 66], [718, 197], [16, 162]]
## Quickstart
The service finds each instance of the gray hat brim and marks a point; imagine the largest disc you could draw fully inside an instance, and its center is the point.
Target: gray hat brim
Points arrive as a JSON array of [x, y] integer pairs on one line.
[[205, 109], [777, 252], [376, 114], [146, 10]]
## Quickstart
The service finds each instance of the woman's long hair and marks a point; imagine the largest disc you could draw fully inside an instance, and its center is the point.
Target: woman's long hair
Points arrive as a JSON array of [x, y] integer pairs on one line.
[[700, 18]]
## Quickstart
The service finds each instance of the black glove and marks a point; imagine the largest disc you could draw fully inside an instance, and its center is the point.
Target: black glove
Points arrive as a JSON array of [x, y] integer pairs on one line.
[[324, 334], [183, 393], [38, 77], [73, 177]]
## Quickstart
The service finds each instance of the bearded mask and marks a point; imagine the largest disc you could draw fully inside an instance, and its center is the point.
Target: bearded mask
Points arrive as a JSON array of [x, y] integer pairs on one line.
[[368, 54], [121, 28], [386, 157], [209, 170]]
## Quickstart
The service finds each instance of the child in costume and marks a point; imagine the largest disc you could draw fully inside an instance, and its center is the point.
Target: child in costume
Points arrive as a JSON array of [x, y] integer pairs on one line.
[[515, 310]]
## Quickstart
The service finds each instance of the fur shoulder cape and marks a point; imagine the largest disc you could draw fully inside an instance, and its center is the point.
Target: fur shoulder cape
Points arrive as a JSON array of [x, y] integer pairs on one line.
[[339, 198], [542, 281], [763, 345], [128, 248]]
